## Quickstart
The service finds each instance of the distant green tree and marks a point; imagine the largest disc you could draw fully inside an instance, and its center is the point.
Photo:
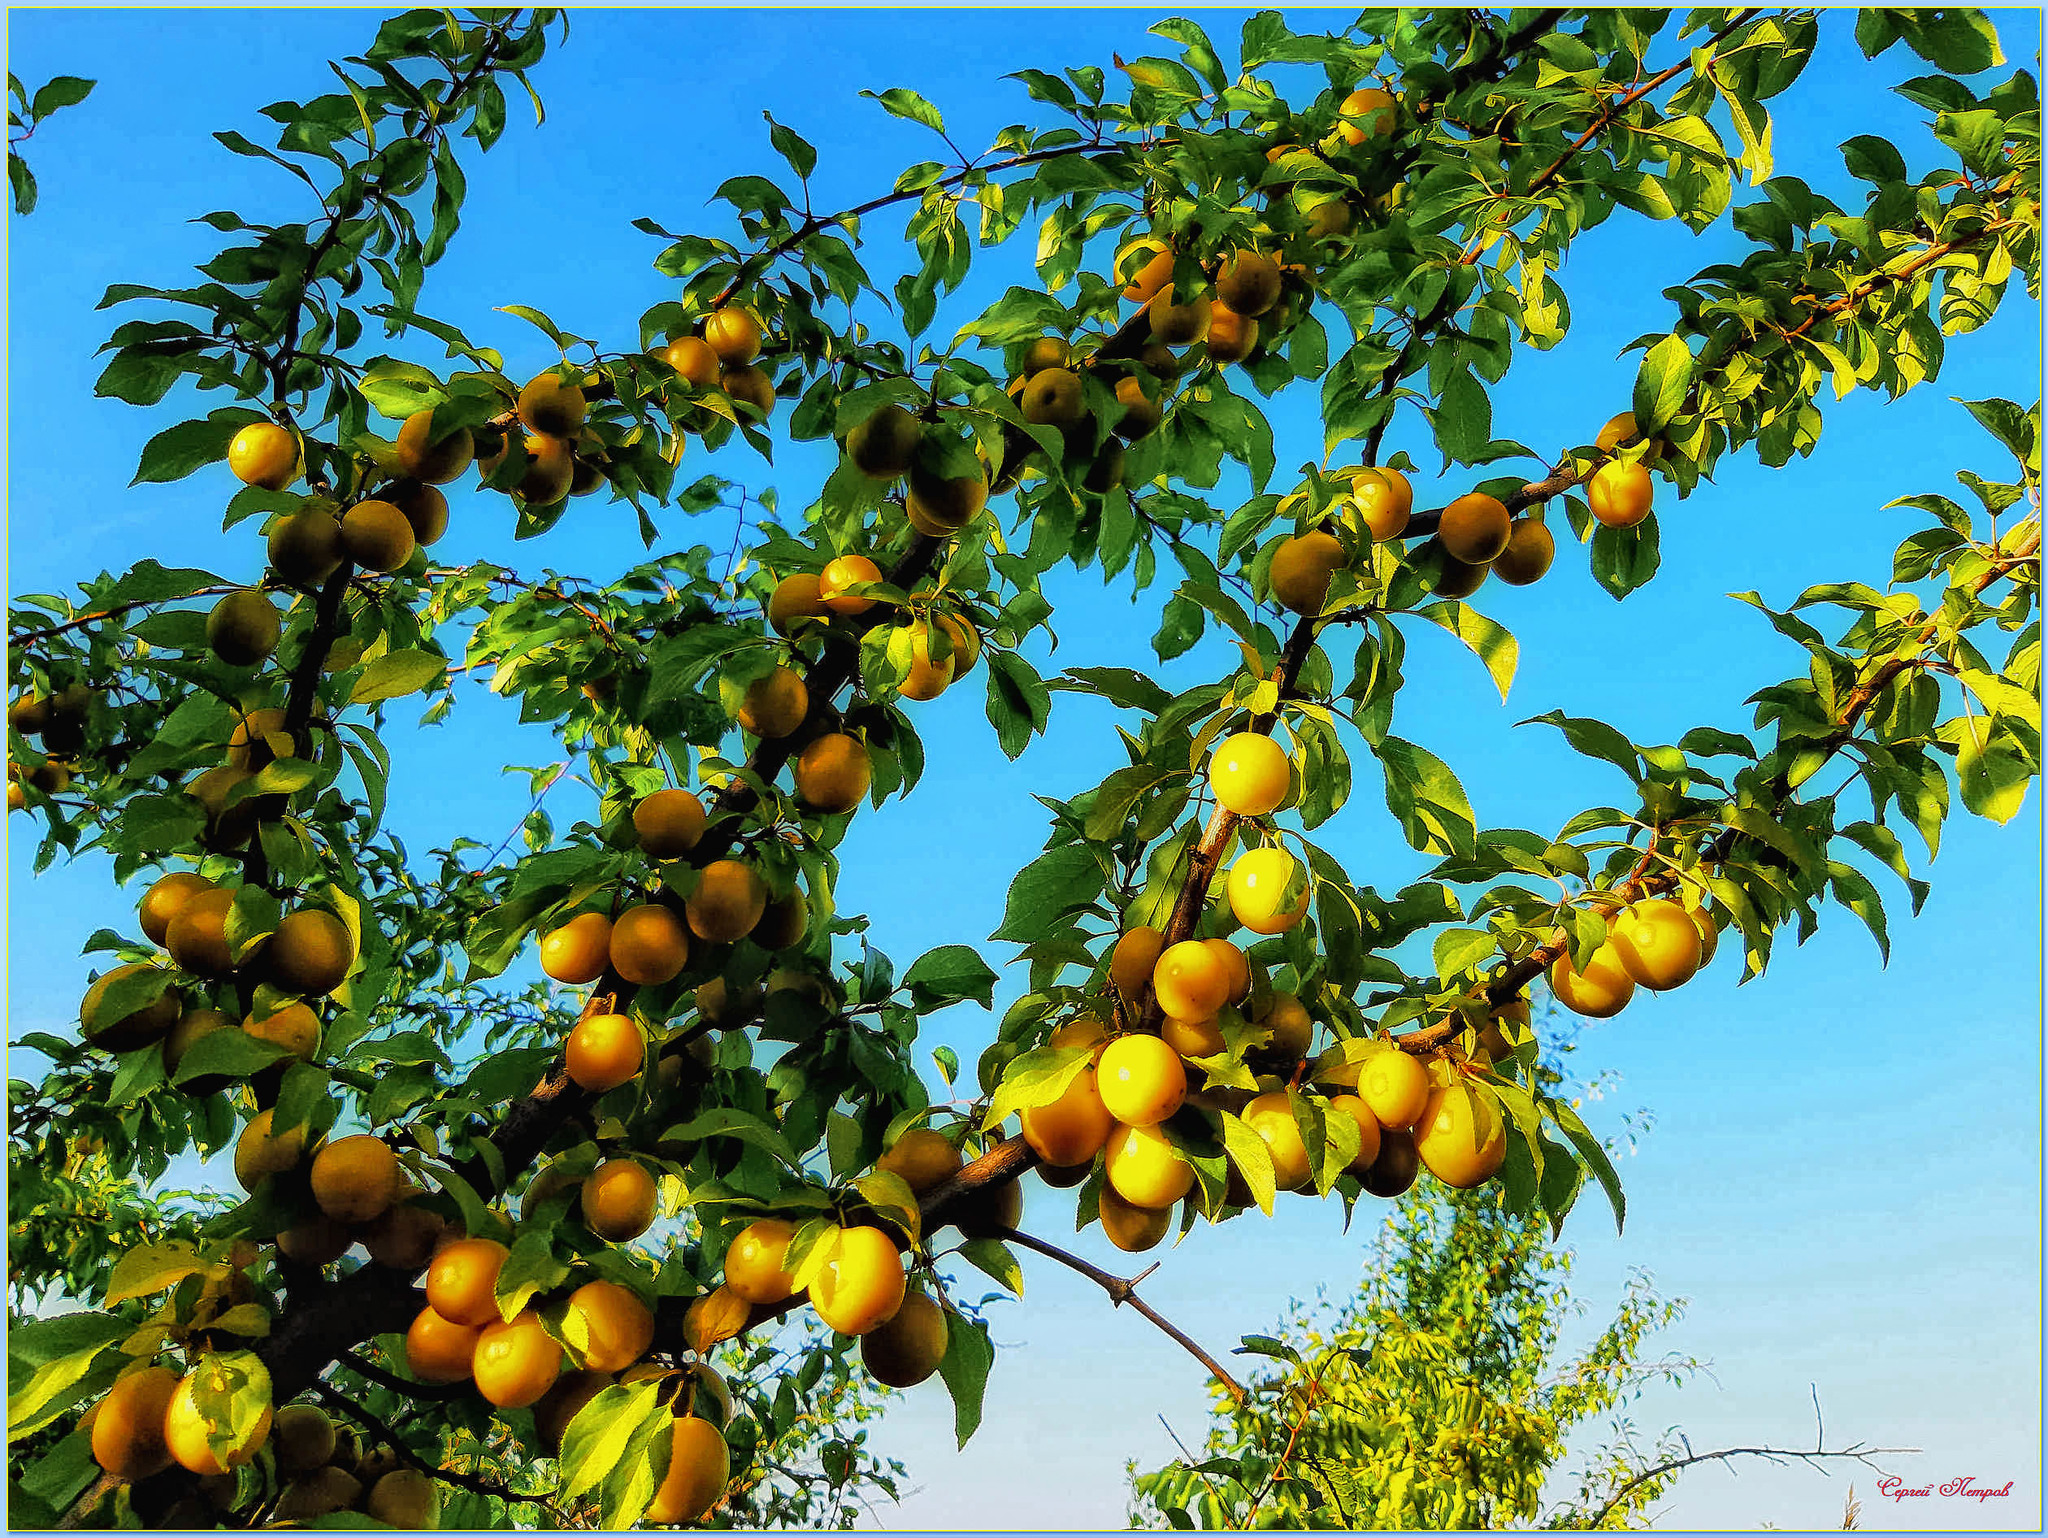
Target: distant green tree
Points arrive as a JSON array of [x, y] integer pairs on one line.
[[1433, 1398], [1437, 1398]]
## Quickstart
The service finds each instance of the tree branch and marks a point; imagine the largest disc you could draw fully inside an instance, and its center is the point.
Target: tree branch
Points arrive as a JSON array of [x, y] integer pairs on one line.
[[329, 610], [761, 260], [1005, 1162], [474, 1483], [25, 640], [75, 1515], [2025, 543], [370, 1301], [363, 1367], [1122, 1291], [1905, 274], [1855, 1453], [1623, 103]]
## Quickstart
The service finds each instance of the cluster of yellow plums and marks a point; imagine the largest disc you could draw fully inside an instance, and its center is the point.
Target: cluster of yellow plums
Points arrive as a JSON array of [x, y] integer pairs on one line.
[[1249, 287], [1652, 943], [852, 1277], [1476, 535], [152, 1419], [942, 648], [408, 511], [723, 359], [304, 959], [59, 719], [463, 1335]]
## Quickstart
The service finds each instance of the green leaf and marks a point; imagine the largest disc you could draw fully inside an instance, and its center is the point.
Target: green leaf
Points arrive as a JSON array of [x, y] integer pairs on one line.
[[1455, 950], [1037, 1077], [901, 102], [965, 1367], [22, 183], [1852, 889], [396, 674], [1201, 53], [536, 319], [994, 1258], [47, 1359], [232, 1395], [842, 1144], [949, 974], [177, 451], [1057, 883], [598, 1438], [1595, 739], [50, 1484], [1462, 418], [1120, 794], [802, 158], [1018, 702], [151, 1268], [397, 389], [1871, 159], [730, 1121], [1590, 1150], [2014, 426], [62, 91], [1661, 384], [531, 1267], [1992, 774], [1491, 642], [1247, 1150], [1625, 559], [1122, 687], [1427, 799], [1960, 40]]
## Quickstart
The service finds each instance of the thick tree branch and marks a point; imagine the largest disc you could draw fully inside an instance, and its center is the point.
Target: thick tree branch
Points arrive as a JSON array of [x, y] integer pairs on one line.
[[363, 1367], [372, 1300], [1005, 1162], [530, 1124]]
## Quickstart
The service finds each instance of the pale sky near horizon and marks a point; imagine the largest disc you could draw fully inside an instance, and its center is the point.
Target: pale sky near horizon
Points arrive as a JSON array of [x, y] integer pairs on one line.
[[1843, 1175]]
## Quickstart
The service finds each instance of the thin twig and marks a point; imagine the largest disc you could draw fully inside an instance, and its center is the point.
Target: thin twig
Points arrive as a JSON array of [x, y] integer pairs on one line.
[[24, 640], [1122, 1291], [1855, 1453], [476, 1484], [1622, 104]]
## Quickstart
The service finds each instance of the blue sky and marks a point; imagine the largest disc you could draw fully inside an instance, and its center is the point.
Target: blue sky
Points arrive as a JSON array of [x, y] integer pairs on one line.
[[1844, 1170]]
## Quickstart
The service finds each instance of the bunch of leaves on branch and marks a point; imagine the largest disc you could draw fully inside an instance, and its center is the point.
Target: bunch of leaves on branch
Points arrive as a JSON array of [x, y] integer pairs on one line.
[[620, 1244], [26, 111]]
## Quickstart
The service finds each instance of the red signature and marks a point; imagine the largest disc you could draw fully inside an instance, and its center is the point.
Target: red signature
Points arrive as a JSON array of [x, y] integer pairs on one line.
[[1963, 1485]]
